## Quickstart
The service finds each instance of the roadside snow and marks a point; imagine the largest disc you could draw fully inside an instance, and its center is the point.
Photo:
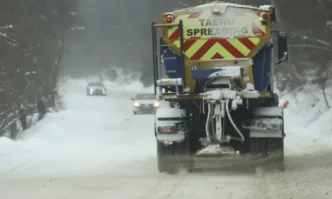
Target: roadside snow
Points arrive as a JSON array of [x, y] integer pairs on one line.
[[308, 111], [92, 132], [96, 148], [323, 125]]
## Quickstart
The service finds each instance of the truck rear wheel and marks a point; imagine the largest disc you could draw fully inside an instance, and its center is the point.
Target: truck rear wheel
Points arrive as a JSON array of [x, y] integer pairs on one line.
[[277, 164], [185, 155], [278, 150], [166, 158], [273, 148]]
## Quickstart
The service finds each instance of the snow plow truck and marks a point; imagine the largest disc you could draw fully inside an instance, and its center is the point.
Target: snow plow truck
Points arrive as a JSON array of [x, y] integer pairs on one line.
[[213, 63]]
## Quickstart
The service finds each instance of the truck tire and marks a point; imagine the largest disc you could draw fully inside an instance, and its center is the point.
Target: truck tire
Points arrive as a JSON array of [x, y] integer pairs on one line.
[[281, 166], [184, 155], [280, 162], [166, 158], [273, 148], [276, 146]]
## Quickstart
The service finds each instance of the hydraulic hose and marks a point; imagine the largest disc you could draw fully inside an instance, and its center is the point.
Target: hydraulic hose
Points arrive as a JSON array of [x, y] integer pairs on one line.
[[232, 122], [207, 123]]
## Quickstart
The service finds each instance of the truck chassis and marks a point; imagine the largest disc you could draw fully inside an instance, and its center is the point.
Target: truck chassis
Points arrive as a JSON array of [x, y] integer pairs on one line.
[[262, 143], [221, 116]]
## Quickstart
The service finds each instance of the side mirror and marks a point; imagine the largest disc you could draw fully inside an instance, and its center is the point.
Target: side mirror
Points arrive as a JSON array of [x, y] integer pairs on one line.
[[282, 47]]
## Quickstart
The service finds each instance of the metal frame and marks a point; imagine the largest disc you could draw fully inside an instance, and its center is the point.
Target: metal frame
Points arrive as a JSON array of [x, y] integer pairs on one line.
[[182, 58], [156, 53]]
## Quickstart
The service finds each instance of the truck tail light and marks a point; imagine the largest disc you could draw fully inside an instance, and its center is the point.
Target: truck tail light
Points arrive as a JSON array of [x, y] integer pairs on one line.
[[167, 129]]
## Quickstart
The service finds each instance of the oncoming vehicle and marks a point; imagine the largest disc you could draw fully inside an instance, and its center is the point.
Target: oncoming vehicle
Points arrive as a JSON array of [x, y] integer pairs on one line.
[[145, 103], [96, 88]]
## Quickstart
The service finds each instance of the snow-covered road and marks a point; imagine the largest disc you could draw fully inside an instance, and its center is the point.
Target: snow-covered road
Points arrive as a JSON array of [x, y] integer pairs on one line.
[[97, 149]]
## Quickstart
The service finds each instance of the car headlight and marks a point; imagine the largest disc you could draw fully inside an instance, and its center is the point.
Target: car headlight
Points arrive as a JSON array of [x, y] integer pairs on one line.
[[156, 104], [136, 104]]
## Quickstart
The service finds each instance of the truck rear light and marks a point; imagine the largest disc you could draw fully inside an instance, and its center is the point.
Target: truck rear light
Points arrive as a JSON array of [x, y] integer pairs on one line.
[[167, 129]]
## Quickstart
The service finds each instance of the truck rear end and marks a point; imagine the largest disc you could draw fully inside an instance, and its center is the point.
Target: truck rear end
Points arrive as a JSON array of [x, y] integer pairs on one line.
[[217, 62]]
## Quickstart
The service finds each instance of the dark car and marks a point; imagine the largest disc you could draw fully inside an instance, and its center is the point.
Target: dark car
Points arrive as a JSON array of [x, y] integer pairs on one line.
[[96, 88]]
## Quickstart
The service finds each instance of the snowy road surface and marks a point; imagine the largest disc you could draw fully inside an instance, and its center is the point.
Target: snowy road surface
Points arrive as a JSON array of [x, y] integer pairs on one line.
[[98, 149]]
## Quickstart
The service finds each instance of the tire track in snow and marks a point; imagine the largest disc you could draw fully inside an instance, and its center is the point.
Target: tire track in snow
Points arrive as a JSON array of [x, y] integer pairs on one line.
[[166, 187], [217, 184], [308, 172], [273, 185]]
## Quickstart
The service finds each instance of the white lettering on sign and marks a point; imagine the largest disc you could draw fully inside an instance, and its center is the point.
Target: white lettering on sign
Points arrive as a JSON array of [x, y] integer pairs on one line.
[[225, 27], [224, 31], [217, 22]]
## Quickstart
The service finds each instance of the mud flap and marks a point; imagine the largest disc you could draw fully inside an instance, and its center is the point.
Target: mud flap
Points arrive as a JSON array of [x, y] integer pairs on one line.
[[184, 156], [166, 158], [273, 159], [276, 152]]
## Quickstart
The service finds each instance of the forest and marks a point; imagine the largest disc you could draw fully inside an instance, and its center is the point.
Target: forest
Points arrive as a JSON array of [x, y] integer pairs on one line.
[[32, 36]]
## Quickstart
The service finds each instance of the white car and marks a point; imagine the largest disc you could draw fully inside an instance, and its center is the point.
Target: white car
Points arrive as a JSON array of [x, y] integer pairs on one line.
[[96, 88], [145, 103]]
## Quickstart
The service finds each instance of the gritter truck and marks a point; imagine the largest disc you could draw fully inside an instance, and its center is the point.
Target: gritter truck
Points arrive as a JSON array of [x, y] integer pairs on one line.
[[213, 63]]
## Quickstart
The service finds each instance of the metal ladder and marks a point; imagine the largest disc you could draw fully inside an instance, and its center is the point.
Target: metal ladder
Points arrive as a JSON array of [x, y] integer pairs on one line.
[[157, 55]]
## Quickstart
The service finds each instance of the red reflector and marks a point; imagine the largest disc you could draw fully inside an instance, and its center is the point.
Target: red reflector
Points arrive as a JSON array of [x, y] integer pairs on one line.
[[167, 129]]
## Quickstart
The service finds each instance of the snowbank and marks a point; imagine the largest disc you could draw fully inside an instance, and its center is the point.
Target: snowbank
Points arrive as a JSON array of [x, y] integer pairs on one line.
[[91, 132], [323, 124], [308, 110]]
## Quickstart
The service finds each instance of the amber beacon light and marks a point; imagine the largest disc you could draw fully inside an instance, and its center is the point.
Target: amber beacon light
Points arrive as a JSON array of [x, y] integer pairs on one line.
[[264, 17], [169, 18]]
